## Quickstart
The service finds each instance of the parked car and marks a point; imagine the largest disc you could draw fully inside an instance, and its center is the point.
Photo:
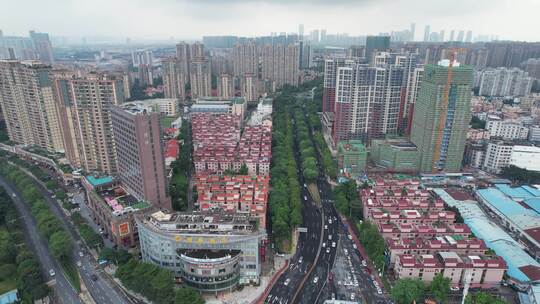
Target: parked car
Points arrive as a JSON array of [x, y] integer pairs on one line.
[[287, 281], [52, 273]]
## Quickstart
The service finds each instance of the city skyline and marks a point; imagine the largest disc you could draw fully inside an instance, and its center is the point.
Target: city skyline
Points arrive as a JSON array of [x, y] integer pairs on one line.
[[192, 20]]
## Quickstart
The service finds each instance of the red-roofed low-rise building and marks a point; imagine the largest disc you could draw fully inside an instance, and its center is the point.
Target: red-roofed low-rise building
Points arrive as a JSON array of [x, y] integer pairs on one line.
[[482, 271], [238, 192], [172, 148]]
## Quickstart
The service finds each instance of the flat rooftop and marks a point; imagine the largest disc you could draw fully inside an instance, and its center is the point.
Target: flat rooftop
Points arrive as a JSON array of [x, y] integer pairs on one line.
[[98, 181]]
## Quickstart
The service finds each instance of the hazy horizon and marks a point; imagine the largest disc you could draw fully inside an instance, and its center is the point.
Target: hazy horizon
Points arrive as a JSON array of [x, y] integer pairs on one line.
[[166, 19]]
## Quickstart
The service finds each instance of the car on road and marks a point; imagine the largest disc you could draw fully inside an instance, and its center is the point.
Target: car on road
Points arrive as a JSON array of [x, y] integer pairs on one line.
[[328, 250], [346, 251], [364, 263], [329, 221], [349, 236], [330, 237], [354, 246], [353, 296], [79, 264], [454, 288], [333, 244], [287, 281], [379, 291], [323, 245], [305, 198], [94, 277], [300, 260], [81, 254], [52, 273], [315, 280], [305, 186], [14, 195], [325, 226]]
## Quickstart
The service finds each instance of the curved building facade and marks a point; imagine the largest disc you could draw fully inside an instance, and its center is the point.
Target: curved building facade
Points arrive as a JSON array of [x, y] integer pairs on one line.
[[209, 251]]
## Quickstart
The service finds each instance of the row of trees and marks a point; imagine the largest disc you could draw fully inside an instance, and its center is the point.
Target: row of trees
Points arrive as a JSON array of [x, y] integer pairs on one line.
[[19, 268], [373, 243], [48, 225], [312, 110], [285, 204], [517, 174], [305, 145], [179, 185], [347, 201], [155, 283]]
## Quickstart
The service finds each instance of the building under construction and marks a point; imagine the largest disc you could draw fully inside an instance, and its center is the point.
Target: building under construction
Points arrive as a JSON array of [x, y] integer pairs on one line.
[[442, 115]]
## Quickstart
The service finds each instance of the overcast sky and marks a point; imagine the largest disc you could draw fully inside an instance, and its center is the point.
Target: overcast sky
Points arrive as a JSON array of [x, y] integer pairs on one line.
[[191, 19]]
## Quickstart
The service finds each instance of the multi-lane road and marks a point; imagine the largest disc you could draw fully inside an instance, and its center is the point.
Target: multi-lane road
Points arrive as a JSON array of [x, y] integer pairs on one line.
[[37, 242], [309, 278], [99, 285]]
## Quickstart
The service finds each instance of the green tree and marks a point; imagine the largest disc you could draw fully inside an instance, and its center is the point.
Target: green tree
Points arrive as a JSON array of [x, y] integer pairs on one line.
[[60, 245], [439, 288], [406, 291], [187, 296], [483, 298], [243, 170]]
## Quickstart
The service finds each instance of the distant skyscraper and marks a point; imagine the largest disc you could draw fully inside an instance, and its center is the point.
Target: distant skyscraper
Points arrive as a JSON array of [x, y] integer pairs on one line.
[[225, 86], [196, 50], [441, 35], [315, 36], [412, 31], [43, 47], [183, 58], [139, 154], [469, 36], [28, 106], [145, 75], [427, 32], [201, 85], [323, 35], [376, 43], [85, 109], [425, 132], [460, 36], [301, 31], [173, 79], [452, 33], [367, 102]]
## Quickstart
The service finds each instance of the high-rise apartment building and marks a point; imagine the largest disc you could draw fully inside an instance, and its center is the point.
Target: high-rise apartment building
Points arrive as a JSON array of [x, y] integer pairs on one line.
[[532, 66], [245, 59], [142, 57], [42, 46], [305, 54], [331, 66], [28, 107], [85, 104], [139, 154], [452, 35], [367, 102], [280, 64], [196, 50], [376, 43], [173, 79], [183, 59], [225, 86], [248, 84], [505, 82], [201, 80], [425, 132]]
